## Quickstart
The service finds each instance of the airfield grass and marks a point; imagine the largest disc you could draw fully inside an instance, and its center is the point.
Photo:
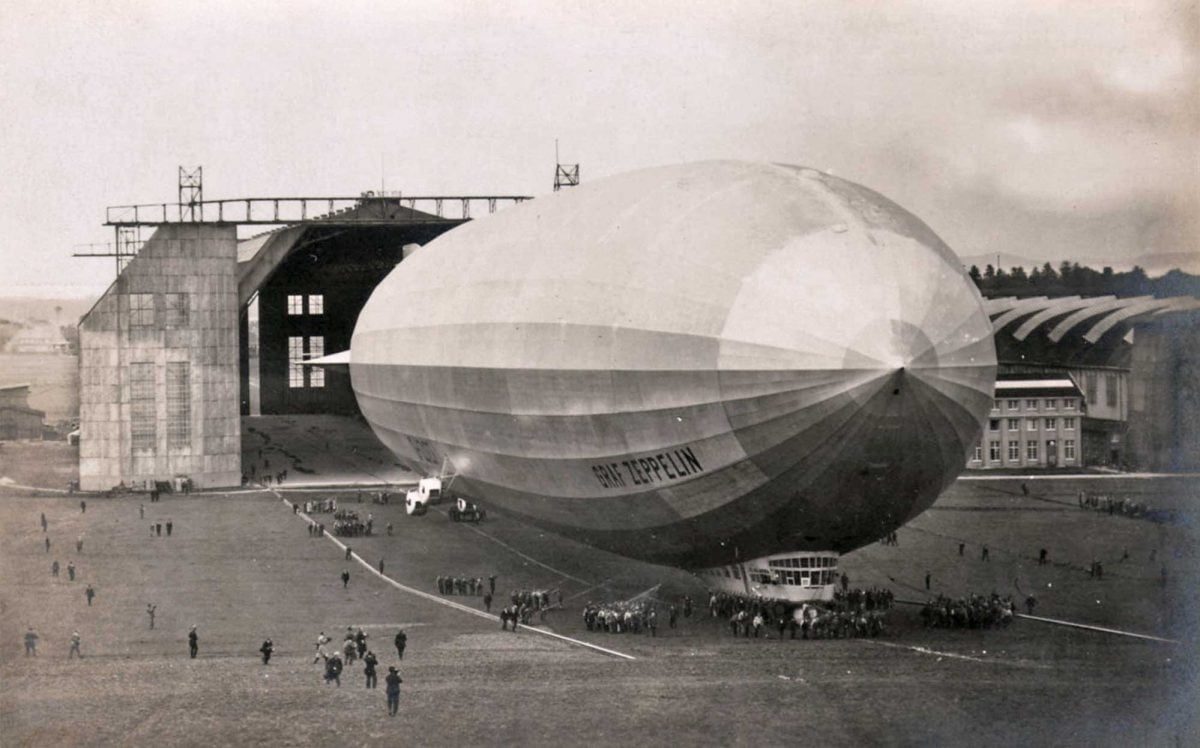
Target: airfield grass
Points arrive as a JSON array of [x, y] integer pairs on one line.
[[242, 567]]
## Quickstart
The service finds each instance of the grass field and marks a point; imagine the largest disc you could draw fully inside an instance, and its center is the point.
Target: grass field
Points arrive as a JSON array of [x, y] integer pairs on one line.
[[242, 568]]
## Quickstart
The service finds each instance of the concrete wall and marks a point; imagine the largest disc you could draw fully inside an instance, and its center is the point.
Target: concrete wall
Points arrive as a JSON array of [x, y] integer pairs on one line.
[[138, 322]]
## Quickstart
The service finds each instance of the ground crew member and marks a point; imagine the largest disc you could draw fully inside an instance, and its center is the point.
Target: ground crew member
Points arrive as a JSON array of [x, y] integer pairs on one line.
[[401, 643], [71, 570], [267, 648], [74, 646], [369, 663], [193, 642], [333, 669], [150, 612], [54, 568], [392, 684], [31, 639], [89, 593], [345, 578]]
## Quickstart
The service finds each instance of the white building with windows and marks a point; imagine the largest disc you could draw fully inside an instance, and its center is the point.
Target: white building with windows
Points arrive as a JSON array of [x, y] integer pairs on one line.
[[1036, 422]]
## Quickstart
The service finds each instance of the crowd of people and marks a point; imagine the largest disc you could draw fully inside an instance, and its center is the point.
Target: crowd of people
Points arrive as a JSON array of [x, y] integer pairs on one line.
[[320, 506], [973, 611], [875, 598], [472, 586], [622, 617], [533, 599], [853, 612], [346, 524], [1114, 505]]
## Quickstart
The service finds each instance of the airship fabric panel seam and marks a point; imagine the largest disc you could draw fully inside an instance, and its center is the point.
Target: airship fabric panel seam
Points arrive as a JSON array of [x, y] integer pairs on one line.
[[965, 431], [842, 379], [375, 348]]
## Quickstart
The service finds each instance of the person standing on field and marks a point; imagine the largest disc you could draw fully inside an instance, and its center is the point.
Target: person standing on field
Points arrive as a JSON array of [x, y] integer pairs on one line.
[[392, 684]]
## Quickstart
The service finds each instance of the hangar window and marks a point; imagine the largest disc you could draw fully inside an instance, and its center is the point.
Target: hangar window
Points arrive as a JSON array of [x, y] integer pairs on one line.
[[175, 309], [1110, 389], [1089, 381], [994, 424], [1068, 424], [1051, 424], [142, 407], [978, 456], [1031, 450], [1069, 404], [1051, 403], [295, 304], [1014, 424], [1014, 404], [316, 303], [1031, 404], [1069, 449], [316, 349], [179, 404], [1031, 424], [1014, 451], [141, 309], [994, 451], [295, 356]]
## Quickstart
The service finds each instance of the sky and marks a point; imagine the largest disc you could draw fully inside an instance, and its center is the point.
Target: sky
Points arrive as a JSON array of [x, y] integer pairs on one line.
[[1032, 129]]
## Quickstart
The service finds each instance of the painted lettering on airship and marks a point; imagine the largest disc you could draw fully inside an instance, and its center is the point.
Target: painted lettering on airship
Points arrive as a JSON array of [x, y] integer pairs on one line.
[[649, 470]]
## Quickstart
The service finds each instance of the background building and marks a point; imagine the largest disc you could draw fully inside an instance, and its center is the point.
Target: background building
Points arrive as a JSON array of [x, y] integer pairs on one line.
[[1036, 422], [17, 419]]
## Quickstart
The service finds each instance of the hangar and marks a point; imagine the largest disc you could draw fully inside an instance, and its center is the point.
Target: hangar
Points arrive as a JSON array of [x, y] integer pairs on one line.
[[1133, 364], [201, 327]]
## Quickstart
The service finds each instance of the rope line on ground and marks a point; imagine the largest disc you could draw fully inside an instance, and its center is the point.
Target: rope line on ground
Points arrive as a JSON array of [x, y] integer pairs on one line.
[[459, 606]]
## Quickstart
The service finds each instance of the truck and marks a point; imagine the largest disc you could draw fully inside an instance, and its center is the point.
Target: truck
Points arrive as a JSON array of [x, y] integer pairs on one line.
[[417, 500], [467, 511]]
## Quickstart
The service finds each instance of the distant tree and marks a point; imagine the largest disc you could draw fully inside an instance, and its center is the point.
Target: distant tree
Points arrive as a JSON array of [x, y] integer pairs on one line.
[[989, 272], [1064, 271], [1000, 274], [1018, 273], [974, 273], [1048, 273]]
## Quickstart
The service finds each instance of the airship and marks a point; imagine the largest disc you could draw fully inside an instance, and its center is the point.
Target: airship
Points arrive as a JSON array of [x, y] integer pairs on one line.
[[740, 369]]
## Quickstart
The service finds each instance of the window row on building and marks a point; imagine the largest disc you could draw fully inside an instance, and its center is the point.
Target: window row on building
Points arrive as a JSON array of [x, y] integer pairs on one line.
[[1035, 452], [145, 311], [143, 405], [1013, 405], [296, 307], [301, 349], [1050, 423]]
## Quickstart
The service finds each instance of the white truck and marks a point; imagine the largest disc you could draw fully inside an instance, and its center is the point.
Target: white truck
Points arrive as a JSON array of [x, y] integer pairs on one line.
[[417, 500]]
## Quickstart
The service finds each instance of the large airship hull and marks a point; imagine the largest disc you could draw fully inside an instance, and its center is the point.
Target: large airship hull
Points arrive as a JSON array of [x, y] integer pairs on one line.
[[690, 365]]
